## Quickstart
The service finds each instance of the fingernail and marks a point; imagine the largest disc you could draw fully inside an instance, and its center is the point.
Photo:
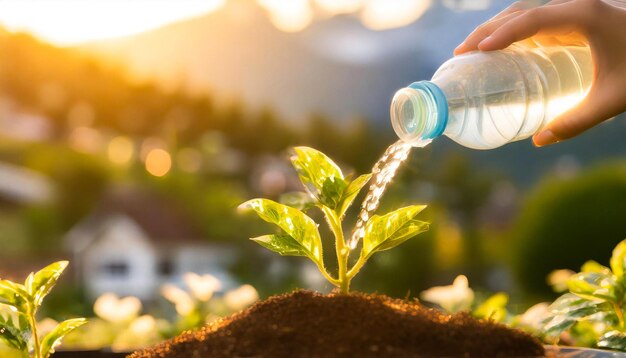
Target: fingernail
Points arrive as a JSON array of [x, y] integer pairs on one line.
[[544, 138], [485, 41]]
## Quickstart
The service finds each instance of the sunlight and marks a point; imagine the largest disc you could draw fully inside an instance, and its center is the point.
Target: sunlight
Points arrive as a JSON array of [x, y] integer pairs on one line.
[[289, 15], [70, 22], [335, 7], [383, 14]]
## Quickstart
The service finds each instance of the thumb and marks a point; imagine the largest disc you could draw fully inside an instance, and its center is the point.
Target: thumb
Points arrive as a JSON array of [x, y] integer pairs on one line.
[[595, 108]]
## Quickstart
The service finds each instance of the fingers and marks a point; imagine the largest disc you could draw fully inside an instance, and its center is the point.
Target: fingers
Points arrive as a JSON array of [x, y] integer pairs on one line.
[[599, 105], [482, 32], [553, 19], [485, 29]]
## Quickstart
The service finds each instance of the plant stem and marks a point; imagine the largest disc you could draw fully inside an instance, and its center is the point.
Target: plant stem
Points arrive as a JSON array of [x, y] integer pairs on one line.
[[326, 275], [341, 249], [357, 267], [33, 326]]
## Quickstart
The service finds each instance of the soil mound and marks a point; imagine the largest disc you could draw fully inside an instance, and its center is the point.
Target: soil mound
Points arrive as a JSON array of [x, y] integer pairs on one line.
[[308, 324]]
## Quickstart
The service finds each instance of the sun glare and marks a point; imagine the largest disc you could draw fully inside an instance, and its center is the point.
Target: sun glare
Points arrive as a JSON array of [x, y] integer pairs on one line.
[[339, 6], [289, 15], [385, 14], [70, 22]]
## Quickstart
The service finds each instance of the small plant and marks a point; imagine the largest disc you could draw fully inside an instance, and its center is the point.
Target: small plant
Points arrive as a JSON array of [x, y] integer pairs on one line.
[[19, 329], [198, 305], [332, 193], [460, 297], [592, 312]]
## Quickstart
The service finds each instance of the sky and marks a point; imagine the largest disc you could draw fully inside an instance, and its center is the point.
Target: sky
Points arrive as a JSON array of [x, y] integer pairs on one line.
[[71, 22]]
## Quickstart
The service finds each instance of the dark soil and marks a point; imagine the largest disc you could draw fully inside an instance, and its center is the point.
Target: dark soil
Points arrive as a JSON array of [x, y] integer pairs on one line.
[[308, 324]]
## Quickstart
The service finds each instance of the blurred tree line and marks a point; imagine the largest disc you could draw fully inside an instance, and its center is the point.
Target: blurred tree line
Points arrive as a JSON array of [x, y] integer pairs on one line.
[[54, 81]]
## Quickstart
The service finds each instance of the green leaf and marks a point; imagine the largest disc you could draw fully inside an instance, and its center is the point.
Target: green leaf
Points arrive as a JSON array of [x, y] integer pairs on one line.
[[13, 294], [618, 259], [573, 306], [39, 284], [593, 286], [613, 340], [493, 308], [316, 170], [54, 337], [569, 309], [12, 335], [557, 324], [295, 223], [282, 244], [392, 229], [332, 192], [351, 191], [297, 200], [593, 266]]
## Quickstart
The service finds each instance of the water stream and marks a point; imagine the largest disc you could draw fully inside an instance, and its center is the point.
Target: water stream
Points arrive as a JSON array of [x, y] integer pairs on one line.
[[383, 173]]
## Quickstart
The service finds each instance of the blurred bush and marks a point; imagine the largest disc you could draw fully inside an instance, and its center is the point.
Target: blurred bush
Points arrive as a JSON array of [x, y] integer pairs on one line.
[[567, 221]]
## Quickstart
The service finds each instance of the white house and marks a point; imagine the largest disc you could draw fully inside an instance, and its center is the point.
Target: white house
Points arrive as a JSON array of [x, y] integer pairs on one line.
[[132, 243]]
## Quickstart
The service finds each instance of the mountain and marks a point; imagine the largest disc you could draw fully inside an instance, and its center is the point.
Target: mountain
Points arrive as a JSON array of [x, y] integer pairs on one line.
[[336, 66]]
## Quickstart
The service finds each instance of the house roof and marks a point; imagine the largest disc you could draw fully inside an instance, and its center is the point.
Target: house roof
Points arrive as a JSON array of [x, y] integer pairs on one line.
[[164, 222]]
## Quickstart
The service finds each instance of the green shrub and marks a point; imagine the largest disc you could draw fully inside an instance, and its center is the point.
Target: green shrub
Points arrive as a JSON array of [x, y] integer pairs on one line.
[[565, 222]]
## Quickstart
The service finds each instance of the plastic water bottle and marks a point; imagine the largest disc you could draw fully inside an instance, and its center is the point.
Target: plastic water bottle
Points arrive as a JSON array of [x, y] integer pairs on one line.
[[483, 100]]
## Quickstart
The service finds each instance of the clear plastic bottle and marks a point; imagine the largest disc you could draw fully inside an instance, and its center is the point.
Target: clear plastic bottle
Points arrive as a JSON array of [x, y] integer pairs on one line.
[[483, 100]]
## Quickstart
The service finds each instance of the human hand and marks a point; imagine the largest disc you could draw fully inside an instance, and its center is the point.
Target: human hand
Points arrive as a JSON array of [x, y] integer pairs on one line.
[[600, 24]]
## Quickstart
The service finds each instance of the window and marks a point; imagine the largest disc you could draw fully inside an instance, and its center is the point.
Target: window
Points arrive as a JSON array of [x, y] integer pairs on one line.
[[115, 269]]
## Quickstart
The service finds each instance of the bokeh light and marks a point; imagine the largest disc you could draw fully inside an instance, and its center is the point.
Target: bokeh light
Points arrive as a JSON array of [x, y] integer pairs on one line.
[[339, 6], [158, 162], [120, 150], [85, 139], [383, 14], [289, 15]]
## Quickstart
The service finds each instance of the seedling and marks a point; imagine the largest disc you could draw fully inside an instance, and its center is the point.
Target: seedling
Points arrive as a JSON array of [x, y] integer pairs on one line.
[[332, 193], [19, 329], [594, 305]]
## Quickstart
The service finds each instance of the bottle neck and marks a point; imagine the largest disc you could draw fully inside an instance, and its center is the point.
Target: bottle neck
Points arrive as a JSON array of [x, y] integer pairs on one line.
[[419, 113]]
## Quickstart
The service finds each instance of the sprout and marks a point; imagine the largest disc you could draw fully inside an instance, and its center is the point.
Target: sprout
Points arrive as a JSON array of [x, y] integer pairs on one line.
[[143, 325], [19, 329], [182, 300], [332, 193], [241, 297], [117, 310], [454, 298], [202, 287]]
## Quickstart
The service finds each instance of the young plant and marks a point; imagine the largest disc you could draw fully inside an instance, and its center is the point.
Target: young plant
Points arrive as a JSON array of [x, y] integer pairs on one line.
[[332, 193], [198, 305], [460, 297], [19, 331], [593, 309]]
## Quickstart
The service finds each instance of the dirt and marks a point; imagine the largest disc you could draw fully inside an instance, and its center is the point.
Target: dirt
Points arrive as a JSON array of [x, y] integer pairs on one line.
[[308, 324]]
